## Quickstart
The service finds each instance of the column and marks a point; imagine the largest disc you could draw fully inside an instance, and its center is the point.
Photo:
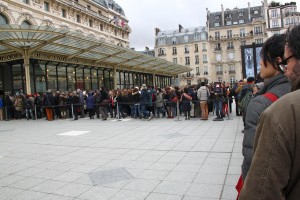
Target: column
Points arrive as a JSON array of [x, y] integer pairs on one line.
[[27, 74], [115, 77], [154, 82]]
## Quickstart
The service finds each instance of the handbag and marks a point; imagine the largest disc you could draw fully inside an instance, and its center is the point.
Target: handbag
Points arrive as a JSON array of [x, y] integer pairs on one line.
[[174, 99]]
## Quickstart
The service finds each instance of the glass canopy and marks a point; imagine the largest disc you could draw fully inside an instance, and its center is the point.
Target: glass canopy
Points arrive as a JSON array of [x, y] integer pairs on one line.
[[25, 39]]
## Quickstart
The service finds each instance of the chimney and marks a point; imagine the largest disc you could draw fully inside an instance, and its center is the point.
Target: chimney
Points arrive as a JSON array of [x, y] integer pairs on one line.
[[223, 20], [180, 28], [157, 30], [146, 48], [249, 11], [207, 17]]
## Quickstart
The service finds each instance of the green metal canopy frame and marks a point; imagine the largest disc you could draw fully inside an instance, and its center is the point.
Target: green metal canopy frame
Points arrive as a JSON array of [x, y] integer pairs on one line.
[[53, 44]]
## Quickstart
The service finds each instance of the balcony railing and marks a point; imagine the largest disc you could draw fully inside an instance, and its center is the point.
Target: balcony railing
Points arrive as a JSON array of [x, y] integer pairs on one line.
[[231, 71], [204, 50], [219, 72], [204, 61], [287, 14], [161, 54], [218, 48], [84, 9], [230, 47], [186, 51], [205, 73], [197, 74]]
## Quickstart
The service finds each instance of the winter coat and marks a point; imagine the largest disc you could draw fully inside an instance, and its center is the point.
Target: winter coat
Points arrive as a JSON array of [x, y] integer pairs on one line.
[[203, 93], [90, 101], [159, 102], [48, 99], [136, 97], [278, 85], [145, 97], [275, 168]]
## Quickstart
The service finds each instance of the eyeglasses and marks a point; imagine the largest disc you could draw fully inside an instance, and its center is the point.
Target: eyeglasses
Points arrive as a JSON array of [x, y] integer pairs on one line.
[[283, 64]]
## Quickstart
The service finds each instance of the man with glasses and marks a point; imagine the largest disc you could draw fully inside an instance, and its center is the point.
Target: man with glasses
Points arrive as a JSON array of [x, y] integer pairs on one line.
[[275, 168]]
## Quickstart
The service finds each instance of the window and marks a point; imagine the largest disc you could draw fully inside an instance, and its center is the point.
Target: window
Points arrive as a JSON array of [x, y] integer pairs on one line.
[[197, 71], [175, 60], [116, 32], [3, 19], [203, 36], [161, 41], [230, 45], [88, 7], [204, 58], [99, 12], [161, 51], [241, 14], [174, 50], [219, 79], [275, 23], [186, 38], [187, 60], [231, 69], [218, 47], [186, 49], [91, 23], [241, 21], [259, 41], [228, 15], [217, 24], [218, 57], [196, 59], [230, 56], [63, 13], [101, 27], [217, 35], [196, 37], [217, 17], [196, 47], [242, 32], [189, 82], [78, 19], [26, 1], [274, 13], [205, 70], [46, 6], [228, 23], [229, 33], [258, 30], [255, 12], [219, 69], [173, 40], [76, 1], [204, 47], [243, 43]]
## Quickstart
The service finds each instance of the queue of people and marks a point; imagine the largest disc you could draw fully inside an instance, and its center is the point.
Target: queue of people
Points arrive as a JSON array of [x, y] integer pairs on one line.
[[146, 102]]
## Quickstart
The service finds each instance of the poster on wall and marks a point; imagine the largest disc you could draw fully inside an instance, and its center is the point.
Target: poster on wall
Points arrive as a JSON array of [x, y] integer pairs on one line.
[[249, 62]]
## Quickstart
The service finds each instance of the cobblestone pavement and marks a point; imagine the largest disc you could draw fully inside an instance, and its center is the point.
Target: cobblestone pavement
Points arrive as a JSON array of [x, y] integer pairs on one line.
[[161, 159]]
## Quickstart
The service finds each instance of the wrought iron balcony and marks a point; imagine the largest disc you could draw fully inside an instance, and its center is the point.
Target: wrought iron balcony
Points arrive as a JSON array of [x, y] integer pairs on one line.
[[231, 71], [219, 72]]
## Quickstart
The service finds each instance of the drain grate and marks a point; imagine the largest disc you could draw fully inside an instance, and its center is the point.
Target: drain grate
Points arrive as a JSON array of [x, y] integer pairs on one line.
[[110, 176]]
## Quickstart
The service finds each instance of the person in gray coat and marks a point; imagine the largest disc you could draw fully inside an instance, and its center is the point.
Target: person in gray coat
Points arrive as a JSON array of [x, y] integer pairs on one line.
[[275, 83]]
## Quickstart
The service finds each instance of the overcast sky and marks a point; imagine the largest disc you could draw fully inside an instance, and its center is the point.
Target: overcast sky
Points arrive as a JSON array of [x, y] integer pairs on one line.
[[145, 15]]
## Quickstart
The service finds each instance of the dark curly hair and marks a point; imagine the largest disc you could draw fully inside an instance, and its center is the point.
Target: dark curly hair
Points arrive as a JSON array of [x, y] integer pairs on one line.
[[293, 40], [273, 48]]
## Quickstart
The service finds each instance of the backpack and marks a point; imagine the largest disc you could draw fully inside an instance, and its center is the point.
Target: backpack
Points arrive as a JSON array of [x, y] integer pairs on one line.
[[243, 104]]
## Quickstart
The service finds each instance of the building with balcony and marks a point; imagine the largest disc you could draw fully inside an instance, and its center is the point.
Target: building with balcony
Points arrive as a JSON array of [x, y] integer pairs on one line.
[[188, 47], [279, 17], [228, 30], [69, 44]]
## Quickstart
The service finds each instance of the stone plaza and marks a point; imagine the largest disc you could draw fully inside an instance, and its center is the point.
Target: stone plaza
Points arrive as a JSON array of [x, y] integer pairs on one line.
[[161, 159]]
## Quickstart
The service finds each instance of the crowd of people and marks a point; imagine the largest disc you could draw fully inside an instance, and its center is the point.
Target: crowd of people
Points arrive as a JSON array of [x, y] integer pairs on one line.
[[145, 102]]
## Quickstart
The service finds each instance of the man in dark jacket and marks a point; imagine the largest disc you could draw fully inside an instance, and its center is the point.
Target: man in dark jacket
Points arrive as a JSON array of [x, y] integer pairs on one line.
[[275, 168], [48, 102]]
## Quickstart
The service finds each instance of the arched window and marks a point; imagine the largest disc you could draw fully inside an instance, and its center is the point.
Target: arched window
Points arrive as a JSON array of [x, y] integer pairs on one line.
[[3, 19], [26, 23]]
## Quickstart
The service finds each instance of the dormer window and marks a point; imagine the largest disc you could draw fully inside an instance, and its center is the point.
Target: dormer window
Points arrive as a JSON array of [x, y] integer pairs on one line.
[[241, 14], [173, 40], [186, 38]]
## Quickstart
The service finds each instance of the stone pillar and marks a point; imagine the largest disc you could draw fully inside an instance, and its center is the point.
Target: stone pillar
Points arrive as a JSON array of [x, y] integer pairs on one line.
[[115, 77], [27, 74], [154, 78]]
